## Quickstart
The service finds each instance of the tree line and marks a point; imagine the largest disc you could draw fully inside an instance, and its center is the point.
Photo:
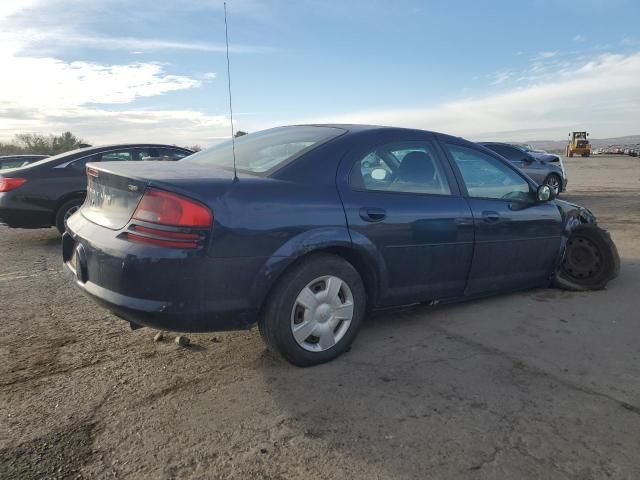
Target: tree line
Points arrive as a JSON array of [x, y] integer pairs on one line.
[[38, 144]]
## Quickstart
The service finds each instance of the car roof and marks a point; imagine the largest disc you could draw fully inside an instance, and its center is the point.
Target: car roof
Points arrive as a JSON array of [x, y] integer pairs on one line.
[[130, 145], [79, 153], [357, 127], [360, 128]]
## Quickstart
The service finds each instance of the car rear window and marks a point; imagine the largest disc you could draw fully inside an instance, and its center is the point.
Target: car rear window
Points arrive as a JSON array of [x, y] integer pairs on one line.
[[264, 152]]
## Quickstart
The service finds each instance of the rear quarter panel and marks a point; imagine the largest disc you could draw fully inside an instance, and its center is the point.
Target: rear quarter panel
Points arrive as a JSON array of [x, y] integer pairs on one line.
[[276, 220]]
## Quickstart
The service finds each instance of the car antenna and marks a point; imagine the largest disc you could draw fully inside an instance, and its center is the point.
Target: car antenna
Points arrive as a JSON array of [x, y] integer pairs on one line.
[[233, 137]]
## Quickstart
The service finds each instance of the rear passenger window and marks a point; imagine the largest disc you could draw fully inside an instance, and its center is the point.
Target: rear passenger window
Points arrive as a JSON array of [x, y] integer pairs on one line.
[[114, 156], [117, 156], [410, 167], [80, 165], [146, 154], [173, 154]]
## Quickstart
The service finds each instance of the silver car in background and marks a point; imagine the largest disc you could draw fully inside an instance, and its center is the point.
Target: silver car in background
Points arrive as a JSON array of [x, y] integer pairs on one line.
[[544, 168]]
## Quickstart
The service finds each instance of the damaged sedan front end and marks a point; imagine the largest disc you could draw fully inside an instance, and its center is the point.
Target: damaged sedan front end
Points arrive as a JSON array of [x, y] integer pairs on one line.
[[588, 256]]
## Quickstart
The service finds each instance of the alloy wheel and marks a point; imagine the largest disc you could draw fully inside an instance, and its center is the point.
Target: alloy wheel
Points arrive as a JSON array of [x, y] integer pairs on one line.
[[554, 184]]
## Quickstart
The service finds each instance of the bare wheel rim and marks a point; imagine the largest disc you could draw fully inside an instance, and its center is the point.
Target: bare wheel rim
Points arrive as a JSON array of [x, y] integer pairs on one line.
[[582, 259], [70, 212], [322, 313], [553, 184]]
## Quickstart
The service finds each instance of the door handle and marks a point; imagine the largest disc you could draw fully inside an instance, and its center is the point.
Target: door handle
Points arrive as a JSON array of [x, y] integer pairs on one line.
[[490, 216], [371, 214]]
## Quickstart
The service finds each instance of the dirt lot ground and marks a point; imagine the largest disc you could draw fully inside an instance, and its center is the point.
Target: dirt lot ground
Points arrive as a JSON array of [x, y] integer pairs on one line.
[[542, 384]]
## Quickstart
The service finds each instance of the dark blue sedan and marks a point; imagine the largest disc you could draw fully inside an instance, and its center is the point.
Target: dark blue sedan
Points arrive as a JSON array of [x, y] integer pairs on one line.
[[319, 225]]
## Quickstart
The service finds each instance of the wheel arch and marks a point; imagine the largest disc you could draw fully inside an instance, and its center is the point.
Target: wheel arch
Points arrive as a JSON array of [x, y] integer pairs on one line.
[[573, 217], [277, 266], [78, 194]]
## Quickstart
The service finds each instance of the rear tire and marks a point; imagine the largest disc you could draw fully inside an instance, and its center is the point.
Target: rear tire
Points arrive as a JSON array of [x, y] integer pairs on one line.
[[590, 260], [65, 211], [303, 321]]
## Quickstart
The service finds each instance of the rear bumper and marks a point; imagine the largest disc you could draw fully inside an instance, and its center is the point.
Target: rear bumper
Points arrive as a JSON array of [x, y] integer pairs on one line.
[[161, 288], [158, 314]]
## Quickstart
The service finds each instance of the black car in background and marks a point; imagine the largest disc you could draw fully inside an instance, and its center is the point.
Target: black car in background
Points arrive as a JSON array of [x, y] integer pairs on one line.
[[17, 161], [47, 192]]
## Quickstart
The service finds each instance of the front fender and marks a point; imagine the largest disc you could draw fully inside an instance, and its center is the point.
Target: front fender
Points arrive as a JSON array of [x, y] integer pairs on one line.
[[572, 216]]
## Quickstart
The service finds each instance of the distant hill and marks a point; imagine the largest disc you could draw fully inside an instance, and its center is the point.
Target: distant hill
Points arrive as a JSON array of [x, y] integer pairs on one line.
[[558, 146]]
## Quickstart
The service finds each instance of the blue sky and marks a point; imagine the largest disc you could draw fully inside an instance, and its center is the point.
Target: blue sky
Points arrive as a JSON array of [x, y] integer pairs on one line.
[[115, 70]]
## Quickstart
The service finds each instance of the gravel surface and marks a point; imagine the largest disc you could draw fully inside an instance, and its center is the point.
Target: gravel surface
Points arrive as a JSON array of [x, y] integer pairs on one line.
[[541, 384]]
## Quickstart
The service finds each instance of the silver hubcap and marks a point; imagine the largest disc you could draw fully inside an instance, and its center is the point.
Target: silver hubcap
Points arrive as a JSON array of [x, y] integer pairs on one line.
[[70, 212], [322, 313], [553, 184]]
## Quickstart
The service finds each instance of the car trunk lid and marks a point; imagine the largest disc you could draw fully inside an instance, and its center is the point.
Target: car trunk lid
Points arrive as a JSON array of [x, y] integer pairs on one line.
[[114, 189]]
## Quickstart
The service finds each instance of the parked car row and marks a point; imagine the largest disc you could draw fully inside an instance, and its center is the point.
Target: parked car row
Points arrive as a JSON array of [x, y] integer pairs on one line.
[[631, 150]]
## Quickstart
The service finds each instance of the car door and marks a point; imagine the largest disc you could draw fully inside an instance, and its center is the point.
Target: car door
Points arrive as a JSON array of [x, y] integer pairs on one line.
[[402, 202], [517, 239]]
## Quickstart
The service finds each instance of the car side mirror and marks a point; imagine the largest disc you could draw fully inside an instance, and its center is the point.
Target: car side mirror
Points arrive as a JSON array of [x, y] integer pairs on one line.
[[528, 159], [544, 194]]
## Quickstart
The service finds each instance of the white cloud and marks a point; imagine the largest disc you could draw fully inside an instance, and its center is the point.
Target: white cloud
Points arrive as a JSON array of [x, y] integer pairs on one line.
[[38, 39], [45, 94], [47, 26], [49, 82], [501, 77], [579, 38], [548, 54], [11, 7], [602, 95], [181, 127]]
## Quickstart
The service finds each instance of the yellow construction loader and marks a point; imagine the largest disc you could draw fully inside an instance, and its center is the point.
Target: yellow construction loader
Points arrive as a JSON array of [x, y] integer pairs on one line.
[[578, 144]]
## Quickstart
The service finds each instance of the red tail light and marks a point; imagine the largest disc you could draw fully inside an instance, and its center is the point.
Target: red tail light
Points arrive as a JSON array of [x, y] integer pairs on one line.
[[8, 183], [169, 209]]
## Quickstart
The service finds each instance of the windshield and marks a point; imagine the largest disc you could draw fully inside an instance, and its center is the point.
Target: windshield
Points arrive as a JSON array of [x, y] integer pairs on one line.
[[264, 152]]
